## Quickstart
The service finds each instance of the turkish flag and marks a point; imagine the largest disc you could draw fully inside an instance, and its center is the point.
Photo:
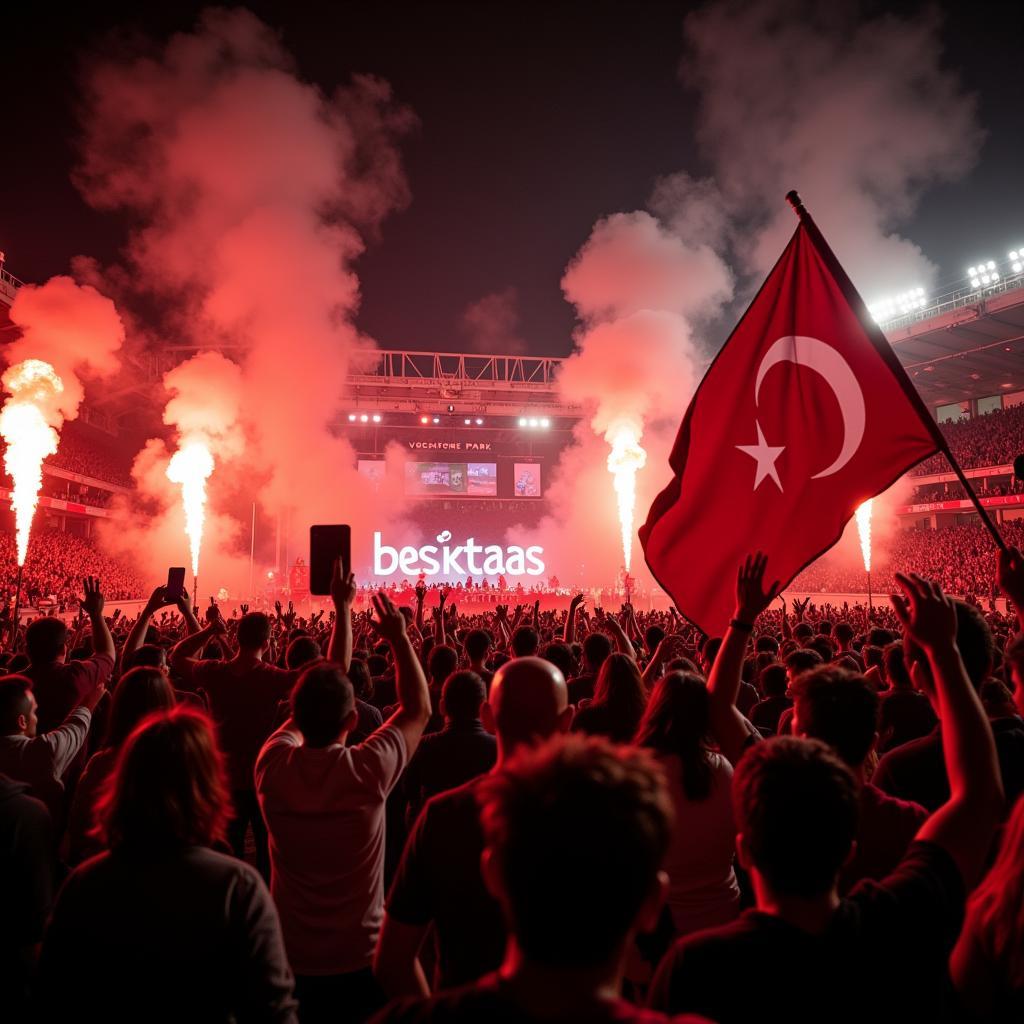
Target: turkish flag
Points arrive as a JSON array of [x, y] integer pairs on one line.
[[804, 414]]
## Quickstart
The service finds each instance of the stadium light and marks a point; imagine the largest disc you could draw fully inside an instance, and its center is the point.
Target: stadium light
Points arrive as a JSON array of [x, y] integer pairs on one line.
[[899, 305], [983, 274], [522, 421], [479, 422], [545, 423], [467, 422], [351, 417], [424, 419], [364, 418], [437, 419], [376, 417], [1017, 260], [533, 421]]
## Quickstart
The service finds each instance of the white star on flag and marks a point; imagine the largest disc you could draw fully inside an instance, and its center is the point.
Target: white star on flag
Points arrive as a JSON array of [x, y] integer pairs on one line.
[[765, 456]]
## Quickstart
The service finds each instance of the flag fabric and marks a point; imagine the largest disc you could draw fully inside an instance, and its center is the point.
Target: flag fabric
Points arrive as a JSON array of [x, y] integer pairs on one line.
[[804, 414]]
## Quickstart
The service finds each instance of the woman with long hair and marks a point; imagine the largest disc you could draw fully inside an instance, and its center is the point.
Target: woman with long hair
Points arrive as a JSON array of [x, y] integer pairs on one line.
[[140, 692], [160, 927], [987, 964], [619, 701], [703, 891]]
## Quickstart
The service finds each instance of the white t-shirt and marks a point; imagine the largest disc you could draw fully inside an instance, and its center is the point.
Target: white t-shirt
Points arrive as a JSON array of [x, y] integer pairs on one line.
[[703, 892], [324, 810]]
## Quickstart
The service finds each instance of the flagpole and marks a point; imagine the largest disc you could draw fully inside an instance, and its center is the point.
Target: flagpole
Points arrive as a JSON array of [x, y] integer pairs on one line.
[[887, 353]]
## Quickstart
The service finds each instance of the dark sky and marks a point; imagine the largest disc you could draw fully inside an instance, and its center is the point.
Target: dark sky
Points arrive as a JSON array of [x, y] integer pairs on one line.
[[535, 120]]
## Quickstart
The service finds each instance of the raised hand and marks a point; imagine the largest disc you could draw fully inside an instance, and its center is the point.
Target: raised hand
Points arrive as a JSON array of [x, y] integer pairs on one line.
[[751, 596], [93, 602], [244, 609], [343, 588], [390, 622], [928, 616]]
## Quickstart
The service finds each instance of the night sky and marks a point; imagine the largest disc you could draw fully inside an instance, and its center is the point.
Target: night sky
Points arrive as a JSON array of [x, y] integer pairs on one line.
[[535, 121]]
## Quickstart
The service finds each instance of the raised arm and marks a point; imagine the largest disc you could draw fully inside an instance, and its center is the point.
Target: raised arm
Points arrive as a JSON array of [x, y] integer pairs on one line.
[[410, 682], [728, 725], [182, 659], [622, 644], [92, 604], [964, 825], [343, 593], [137, 636], [570, 618]]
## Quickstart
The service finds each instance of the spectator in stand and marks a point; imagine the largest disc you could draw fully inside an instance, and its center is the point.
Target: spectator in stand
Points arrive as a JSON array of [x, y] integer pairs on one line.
[[773, 682], [596, 648], [703, 891], [324, 805], [59, 685], [243, 693], [438, 882], [139, 693], [916, 771], [988, 961], [461, 751], [27, 866], [840, 708], [886, 944], [618, 704], [905, 713], [603, 810], [175, 930], [41, 760]]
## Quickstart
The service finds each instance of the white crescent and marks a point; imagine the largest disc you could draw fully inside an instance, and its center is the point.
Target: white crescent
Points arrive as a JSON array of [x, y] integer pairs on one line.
[[823, 359]]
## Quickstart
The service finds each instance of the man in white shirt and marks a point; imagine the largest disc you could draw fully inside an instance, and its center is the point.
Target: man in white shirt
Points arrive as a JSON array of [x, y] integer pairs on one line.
[[41, 761], [323, 803]]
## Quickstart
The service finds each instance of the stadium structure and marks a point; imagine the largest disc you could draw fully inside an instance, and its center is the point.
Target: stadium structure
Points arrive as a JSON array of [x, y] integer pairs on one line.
[[482, 434]]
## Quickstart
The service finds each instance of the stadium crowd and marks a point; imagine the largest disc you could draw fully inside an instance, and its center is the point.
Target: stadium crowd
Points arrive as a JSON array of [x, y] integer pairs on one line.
[[993, 439], [429, 814], [55, 567], [80, 454]]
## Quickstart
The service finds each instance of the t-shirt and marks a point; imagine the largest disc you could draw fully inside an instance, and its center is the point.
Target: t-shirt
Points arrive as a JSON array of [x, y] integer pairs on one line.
[[60, 686], [601, 720], [882, 957], [180, 935], [766, 713], [917, 770], [885, 829], [438, 881], [581, 687], [324, 809], [243, 703], [491, 1001], [447, 759]]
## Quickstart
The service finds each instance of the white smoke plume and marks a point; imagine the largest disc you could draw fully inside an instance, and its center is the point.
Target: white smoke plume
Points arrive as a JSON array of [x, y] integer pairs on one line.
[[491, 324], [252, 192]]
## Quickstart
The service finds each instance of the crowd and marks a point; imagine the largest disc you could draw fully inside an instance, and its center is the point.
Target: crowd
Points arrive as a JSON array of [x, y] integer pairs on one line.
[[78, 453], [958, 558], [54, 569], [954, 491], [994, 439], [425, 813]]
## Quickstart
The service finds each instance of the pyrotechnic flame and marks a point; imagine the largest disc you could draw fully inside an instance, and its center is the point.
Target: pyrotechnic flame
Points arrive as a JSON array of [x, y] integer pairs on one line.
[[191, 466], [30, 438], [863, 515], [625, 458]]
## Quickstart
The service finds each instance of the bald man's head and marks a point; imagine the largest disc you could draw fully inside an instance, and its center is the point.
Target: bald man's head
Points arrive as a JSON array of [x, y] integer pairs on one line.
[[529, 702]]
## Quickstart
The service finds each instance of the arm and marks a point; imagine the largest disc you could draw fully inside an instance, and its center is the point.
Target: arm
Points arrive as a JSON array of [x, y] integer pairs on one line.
[[438, 616], [410, 682], [964, 825], [975, 977], [396, 963], [182, 659], [787, 631], [727, 723], [137, 636], [92, 603], [622, 644], [570, 619], [343, 593], [421, 593]]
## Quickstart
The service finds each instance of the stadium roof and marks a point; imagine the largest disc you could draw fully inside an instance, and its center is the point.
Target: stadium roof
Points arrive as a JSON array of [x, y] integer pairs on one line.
[[971, 350]]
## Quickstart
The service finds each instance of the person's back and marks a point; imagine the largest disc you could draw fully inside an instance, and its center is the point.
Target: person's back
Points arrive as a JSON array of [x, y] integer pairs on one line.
[[438, 880], [324, 805], [175, 930]]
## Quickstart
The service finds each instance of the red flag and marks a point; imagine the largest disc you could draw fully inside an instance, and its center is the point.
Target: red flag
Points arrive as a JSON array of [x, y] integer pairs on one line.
[[804, 414]]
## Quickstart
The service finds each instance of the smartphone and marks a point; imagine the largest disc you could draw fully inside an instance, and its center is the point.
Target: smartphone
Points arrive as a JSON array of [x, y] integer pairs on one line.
[[175, 583], [326, 545]]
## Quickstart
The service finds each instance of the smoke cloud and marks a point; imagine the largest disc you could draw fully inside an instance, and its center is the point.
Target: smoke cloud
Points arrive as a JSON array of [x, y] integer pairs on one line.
[[252, 193], [491, 324]]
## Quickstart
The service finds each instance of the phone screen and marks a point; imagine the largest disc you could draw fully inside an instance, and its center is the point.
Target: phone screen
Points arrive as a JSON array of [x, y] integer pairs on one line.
[[175, 583], [326, 545]]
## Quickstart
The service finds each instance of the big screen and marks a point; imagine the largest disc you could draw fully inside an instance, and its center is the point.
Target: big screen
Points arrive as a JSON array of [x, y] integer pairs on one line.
[[526, 479], [476, 479]]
